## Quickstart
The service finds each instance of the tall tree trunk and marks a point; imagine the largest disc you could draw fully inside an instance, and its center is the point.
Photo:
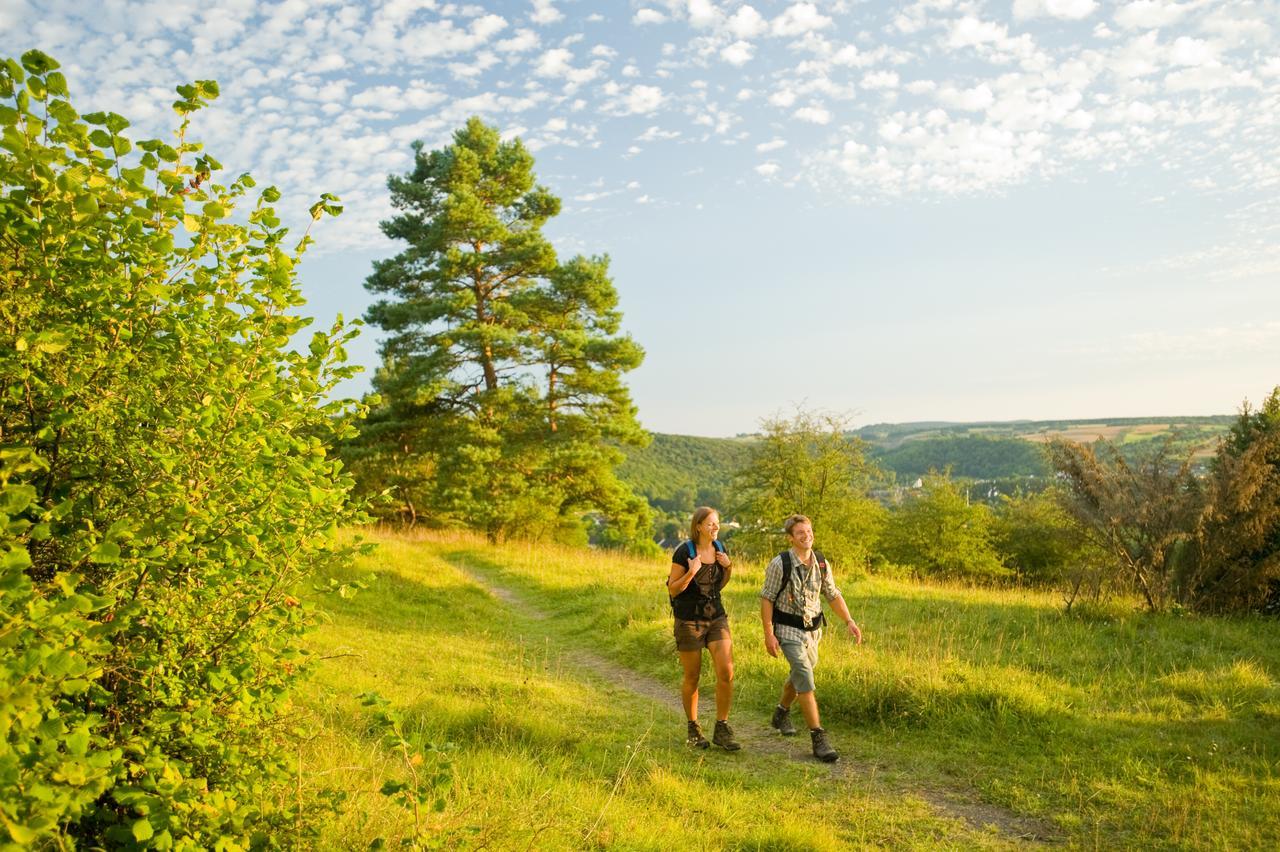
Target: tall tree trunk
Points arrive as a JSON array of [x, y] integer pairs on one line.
[[486, 351], [551, 398]]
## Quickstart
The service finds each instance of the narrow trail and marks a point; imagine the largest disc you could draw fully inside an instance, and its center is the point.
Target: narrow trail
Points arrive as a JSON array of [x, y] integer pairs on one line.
[[760, 740]]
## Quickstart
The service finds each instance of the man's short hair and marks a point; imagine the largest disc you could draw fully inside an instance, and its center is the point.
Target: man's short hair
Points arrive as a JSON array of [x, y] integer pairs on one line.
[[793, 520]]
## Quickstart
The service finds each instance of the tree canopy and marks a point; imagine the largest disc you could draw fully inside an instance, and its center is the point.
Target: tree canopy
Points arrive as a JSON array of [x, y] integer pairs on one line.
[[502, 401]]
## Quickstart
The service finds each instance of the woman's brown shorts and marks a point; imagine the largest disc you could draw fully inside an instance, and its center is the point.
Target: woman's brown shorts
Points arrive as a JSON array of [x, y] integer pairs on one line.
[[697, 634]]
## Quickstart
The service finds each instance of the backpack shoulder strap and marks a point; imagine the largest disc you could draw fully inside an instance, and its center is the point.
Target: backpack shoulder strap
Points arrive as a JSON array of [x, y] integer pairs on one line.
[[693, 549], [719, 545], [785, 556]]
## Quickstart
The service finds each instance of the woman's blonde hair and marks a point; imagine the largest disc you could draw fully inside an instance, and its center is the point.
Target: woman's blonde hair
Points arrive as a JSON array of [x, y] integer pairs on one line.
[[700, 514]]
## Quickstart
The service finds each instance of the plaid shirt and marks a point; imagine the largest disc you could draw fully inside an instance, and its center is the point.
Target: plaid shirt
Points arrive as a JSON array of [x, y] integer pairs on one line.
[[803, 597]]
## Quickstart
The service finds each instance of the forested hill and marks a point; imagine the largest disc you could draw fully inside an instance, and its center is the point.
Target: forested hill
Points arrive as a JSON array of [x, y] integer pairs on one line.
[[677, 472], [970, 456]]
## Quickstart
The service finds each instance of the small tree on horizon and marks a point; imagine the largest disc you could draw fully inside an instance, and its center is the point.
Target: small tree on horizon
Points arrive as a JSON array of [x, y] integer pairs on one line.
[[808, 465]]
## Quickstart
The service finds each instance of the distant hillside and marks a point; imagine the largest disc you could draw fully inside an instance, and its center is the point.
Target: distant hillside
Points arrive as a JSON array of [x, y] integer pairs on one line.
[[998, 450], [1120, 430], [972, 456], [675, 473]]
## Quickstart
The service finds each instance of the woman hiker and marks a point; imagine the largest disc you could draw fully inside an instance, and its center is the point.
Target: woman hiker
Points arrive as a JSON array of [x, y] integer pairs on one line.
[[700, 568]]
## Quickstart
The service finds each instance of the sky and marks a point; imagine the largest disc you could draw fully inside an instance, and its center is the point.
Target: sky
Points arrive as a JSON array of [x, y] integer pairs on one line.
[[941, 210]]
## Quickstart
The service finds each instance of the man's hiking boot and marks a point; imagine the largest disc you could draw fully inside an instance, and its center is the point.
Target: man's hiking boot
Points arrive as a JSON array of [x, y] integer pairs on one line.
[[822, 746], [782, 721], [723, 737], [696, 739]]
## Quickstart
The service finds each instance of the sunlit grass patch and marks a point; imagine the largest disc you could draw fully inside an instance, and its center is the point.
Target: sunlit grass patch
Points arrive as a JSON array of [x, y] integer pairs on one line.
[[1241, 686]]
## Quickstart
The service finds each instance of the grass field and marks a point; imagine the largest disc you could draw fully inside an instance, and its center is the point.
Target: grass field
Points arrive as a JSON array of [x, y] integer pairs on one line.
[[1108, 729]]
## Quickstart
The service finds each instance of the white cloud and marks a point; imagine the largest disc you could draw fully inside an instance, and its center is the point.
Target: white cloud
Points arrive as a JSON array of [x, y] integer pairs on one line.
[[978, 98], [522, 42], [655, 133], [1207, 78], [556, 62], [1140, 57], [798, 19], [545, 12], [442, 38], [747, 23], [782, 98], [703, 14], [1192, 51], [1140, 112], [648, 16], [880, 80], [738, 54], [329, 62], [772, 145], [969, 32], [1068, 10], [1078, 120], [644, 99], [768, 169], [813, 115], [643, 199], [1149, 14]]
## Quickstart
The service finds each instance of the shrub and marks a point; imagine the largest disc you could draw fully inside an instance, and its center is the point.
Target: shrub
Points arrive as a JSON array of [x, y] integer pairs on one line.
[[1040, 541], [165, 479], [940, 533]]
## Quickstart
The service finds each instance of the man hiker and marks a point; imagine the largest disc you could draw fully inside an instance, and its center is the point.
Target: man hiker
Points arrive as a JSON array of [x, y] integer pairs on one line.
[[791, 610]]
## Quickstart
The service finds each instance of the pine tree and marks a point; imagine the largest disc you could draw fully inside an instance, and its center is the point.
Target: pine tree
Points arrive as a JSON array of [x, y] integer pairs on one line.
[[505, 364]]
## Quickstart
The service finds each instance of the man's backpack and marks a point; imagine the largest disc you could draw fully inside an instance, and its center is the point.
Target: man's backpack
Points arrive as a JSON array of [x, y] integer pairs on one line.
[[788, 618]]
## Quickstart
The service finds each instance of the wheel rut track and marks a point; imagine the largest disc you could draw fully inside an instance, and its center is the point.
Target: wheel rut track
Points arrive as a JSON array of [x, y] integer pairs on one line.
[[759, 739]]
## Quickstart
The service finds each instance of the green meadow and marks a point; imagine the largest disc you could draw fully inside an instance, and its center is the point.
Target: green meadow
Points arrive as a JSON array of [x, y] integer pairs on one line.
[[969, 717]]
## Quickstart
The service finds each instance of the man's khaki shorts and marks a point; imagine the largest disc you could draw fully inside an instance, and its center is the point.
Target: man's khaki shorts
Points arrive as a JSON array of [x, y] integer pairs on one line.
[[803, 657], [697, 634]]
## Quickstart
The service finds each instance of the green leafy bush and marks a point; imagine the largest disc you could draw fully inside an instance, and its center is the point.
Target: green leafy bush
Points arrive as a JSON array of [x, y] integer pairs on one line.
[[164, 481], [941, 534], [1040, 541]]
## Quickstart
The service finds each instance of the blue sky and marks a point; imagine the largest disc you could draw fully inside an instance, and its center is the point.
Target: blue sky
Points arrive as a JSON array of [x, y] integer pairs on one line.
[[942, 210]]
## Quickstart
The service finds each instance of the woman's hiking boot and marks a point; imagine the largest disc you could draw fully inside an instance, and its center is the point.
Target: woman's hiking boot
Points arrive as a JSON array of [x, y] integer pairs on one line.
[[723, 737], [782, 721], [696, 739], [822, 746]]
